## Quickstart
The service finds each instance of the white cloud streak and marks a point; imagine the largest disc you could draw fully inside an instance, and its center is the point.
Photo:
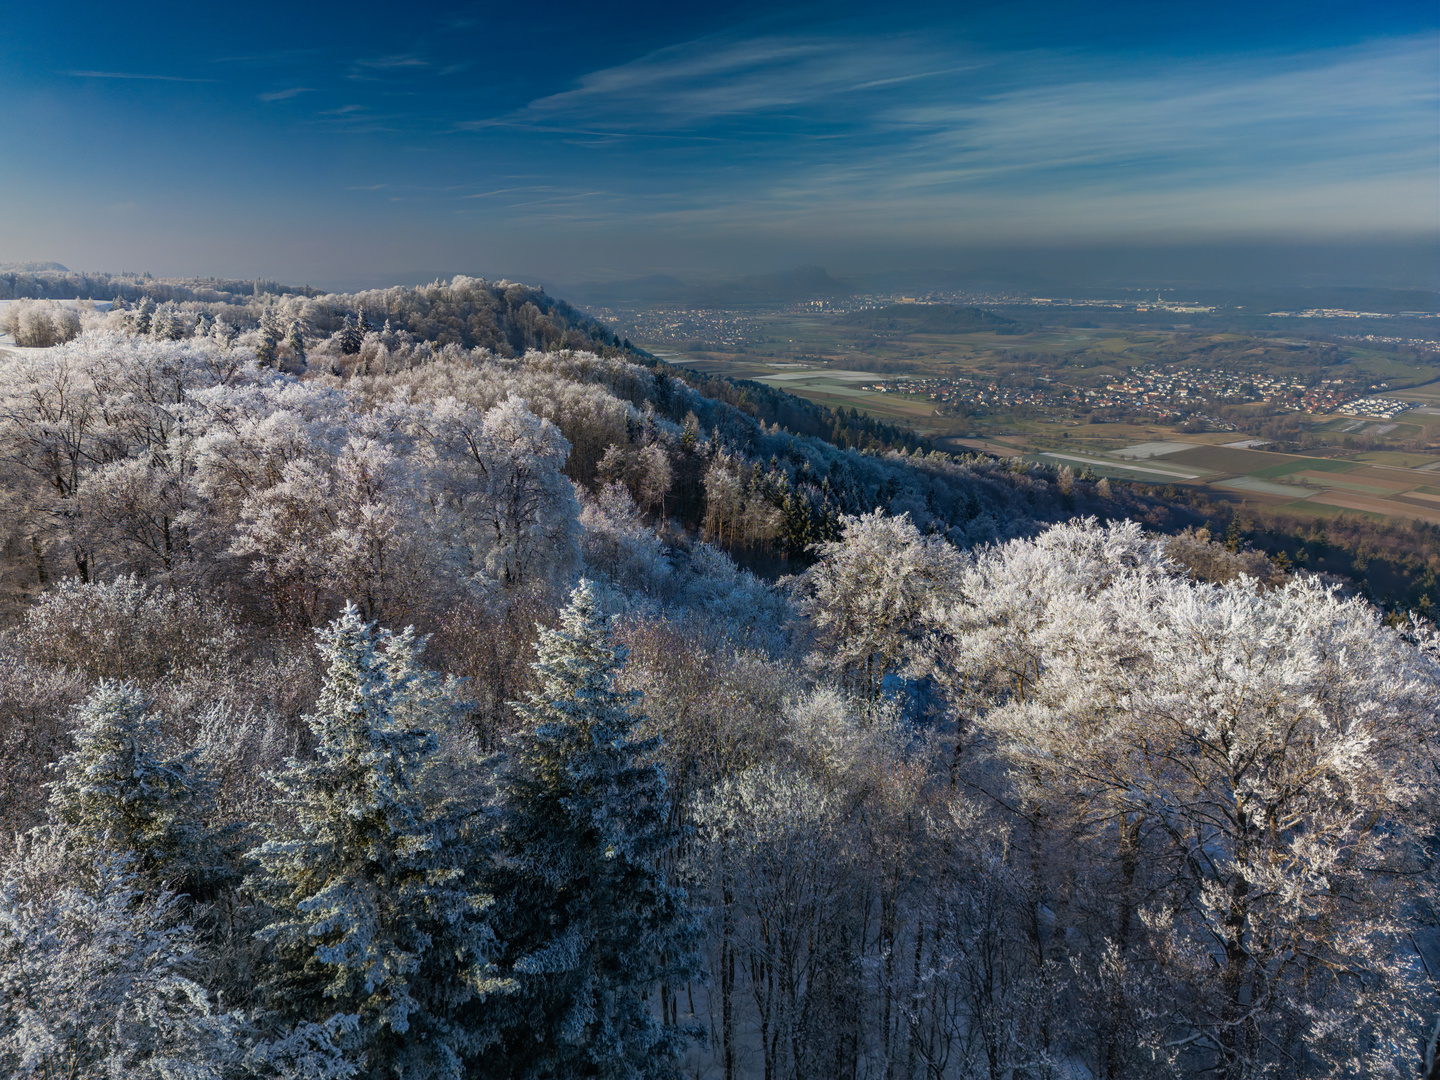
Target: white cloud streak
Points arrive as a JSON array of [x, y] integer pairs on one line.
[[902, 134], [711, 79], [135, 75], [286, 95]]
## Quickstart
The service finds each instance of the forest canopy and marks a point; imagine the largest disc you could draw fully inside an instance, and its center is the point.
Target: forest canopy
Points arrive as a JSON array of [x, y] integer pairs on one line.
[[422, 682]]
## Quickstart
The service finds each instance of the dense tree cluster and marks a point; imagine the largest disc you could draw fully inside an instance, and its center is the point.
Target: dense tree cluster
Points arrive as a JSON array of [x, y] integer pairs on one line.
[[968, 786]]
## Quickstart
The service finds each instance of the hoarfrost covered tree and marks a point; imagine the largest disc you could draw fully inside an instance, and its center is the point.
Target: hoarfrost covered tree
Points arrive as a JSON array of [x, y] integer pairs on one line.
[[340, 516], [96, 436], [143, 314], [39, 324], [377, 916], [870, 594], [777, 839], [501, 471], [350, 335], [94, 974], [656, 476], [724, 499], [225, 333], [619, 545], [121, 791], [591, 926], [268, 338], [295, 338], [1240, 775], [167, 324]]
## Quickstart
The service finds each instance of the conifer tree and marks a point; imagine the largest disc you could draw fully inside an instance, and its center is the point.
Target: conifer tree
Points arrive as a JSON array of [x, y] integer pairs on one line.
[[120, 791], [167, 325], [94, 975], [295, 338], [590, 924], [144, 311], [351, 336], [269, 339], [375, 916], [225, 333]]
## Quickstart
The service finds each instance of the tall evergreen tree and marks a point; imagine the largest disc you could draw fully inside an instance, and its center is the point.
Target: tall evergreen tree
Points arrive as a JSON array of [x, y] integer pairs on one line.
[[269, 339], [144, 312], [295, 338], [375, 913], [351, 335], [121, 790], [591, 926]]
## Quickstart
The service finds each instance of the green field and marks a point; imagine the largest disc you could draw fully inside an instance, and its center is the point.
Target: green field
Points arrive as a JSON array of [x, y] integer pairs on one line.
[[1226, 459], [1309, 465]]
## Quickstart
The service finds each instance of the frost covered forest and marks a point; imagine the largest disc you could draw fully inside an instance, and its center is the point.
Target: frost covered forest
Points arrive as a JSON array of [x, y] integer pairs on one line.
[[423, 683]]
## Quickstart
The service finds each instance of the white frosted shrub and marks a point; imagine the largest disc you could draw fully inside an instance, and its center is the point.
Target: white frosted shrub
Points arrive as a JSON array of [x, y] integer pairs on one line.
[[38, 324]]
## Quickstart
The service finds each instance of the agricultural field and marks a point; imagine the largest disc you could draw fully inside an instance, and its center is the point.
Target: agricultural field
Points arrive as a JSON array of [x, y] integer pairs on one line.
[[1294, 482], [1029, 391]]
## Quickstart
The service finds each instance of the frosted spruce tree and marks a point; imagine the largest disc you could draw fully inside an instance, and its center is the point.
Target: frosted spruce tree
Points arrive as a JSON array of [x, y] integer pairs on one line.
[[376, 916], [94, 974], [591, 926], [351, 337], [122, 790], [295, 338]]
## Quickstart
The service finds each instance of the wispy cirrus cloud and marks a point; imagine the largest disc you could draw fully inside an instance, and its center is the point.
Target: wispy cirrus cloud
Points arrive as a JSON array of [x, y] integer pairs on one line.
[[136, 75], [377, 67], [899, 131], [286, 94], [1362, 110], [715, 79]]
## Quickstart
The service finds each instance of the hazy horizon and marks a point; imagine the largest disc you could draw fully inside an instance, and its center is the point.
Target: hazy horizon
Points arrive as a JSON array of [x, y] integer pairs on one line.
[[368, 145]]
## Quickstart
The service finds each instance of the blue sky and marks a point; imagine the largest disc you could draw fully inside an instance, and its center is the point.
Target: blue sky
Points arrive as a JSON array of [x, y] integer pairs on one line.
[[342, 144]]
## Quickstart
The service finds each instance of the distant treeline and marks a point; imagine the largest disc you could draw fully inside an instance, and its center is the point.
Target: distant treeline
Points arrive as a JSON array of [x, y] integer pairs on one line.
[[21, 284], [1392, 563]]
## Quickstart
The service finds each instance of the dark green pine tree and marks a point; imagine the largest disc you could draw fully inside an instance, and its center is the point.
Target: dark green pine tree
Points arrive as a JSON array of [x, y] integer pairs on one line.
[[591, 927], [795, 523], [376, 916]]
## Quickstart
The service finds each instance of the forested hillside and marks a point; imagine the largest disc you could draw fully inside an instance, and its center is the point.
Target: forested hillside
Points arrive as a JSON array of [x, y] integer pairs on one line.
[[712, 748]]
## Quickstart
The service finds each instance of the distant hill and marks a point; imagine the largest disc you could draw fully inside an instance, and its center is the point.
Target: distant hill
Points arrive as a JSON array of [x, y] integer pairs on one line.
[[933, 319], [34, 267]]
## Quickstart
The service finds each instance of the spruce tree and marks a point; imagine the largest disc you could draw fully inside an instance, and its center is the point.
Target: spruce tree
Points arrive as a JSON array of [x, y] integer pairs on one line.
[[376, 917], [269, 339], [351, 336], [295, 338], [590, 924], [121, 790], [144, 311]]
